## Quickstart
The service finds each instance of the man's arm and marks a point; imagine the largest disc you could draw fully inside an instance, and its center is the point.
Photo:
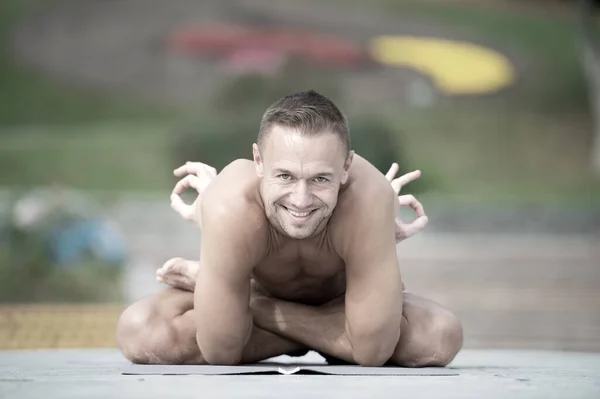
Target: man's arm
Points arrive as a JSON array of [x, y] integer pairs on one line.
[[373, 301], [231, 247], [368, 331]]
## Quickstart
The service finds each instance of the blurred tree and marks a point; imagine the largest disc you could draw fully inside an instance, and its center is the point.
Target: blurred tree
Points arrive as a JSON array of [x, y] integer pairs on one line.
[[591, 62], [254, 92]]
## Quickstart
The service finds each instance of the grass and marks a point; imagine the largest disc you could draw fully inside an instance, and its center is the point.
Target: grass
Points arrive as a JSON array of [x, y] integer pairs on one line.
[[492, 157], [108, 156]]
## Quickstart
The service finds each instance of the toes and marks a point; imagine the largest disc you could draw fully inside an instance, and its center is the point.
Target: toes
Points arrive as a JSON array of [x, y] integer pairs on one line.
[[180, 267], [160, 274], [178, 273], [167, 269], [170, 266], [179, 281], [171, 263]]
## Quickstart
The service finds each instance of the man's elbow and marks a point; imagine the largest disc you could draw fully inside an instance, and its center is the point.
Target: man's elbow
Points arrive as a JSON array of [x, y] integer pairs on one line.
[[372, 355], [374, 350], [218, 354]]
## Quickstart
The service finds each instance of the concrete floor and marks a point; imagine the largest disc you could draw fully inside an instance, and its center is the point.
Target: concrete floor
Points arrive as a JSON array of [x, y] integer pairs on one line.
[[482, 374]]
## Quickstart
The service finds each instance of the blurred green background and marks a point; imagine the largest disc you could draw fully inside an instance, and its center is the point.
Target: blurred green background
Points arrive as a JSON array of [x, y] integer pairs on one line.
[[513, 140]]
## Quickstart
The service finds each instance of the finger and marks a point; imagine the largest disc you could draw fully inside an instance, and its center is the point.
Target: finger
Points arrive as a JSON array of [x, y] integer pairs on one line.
[[195, 168], [190, 181], [185, 210], [415, 227], [392, 172], [212, 171], [398, 183], [410, 200], [189, 168]]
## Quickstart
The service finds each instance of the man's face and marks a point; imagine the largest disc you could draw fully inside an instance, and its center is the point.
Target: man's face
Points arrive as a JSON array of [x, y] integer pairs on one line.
[[301, 177]]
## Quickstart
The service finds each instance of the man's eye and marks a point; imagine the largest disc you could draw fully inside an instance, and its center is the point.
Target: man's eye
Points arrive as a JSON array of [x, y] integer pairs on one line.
[[284, 176], [321, 179]]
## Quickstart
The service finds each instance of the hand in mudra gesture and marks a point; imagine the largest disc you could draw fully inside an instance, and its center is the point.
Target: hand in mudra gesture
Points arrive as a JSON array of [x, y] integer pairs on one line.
[[198, 176], [406, 230]]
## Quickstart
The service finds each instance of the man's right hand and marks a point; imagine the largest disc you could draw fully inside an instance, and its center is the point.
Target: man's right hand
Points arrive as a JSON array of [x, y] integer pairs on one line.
[[197, 176]]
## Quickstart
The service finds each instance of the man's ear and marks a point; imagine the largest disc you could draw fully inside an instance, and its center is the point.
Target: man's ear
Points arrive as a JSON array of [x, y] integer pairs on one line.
[[258, 162], [347, 167]]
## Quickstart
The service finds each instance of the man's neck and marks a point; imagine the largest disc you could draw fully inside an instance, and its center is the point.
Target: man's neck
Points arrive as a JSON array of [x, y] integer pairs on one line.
[[279, 238]]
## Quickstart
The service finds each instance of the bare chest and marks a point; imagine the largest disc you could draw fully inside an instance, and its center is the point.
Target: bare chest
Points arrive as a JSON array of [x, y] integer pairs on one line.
[[302, 272]]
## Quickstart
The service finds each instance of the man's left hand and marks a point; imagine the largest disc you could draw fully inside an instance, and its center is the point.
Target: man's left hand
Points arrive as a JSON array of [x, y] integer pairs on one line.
[[406, 230]]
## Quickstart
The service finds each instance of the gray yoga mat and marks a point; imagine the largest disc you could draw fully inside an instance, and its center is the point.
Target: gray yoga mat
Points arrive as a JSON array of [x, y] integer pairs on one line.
[[283, 368]]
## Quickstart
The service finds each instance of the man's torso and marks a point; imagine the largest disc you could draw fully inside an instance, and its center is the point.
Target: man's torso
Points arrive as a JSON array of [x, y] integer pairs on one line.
[[308, 271]]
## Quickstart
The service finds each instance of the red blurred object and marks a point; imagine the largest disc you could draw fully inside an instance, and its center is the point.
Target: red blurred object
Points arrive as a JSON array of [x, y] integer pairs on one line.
[[223, 42]]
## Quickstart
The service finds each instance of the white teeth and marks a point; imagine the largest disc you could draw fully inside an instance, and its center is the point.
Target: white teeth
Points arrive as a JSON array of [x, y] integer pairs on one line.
[[298, 214]]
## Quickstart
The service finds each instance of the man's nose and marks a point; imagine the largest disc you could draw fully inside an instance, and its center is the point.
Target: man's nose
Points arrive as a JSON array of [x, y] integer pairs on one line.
[[300, 197]]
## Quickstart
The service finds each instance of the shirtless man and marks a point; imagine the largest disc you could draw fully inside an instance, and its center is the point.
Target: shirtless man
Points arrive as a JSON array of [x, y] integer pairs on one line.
[[298, 253]]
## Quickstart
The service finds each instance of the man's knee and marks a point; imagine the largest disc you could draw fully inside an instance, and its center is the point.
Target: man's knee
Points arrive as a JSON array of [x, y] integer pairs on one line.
[[436, 343], [447, 337], [144, 336]]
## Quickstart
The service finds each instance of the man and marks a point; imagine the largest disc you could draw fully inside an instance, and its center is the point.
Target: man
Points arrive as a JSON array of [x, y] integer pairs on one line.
[[298, 253]]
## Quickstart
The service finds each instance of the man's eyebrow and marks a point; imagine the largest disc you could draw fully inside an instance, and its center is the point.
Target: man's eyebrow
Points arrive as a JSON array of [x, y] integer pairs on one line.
[[324, 174], [282, 171]]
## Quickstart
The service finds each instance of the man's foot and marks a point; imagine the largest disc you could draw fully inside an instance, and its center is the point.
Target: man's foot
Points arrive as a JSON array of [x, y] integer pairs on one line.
[[179, 273]]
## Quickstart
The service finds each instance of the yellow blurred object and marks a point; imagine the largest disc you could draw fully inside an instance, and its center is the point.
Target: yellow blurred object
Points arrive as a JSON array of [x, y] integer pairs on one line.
[[456, 68], [38, 326]]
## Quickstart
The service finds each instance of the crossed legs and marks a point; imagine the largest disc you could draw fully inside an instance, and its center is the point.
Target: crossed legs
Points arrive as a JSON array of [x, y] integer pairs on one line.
[[160, 330]]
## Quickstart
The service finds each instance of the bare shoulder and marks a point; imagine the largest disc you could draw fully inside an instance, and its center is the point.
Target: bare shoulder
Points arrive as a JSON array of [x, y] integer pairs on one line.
[[366, 198], [236, 185], [231, 207], [366, 185]]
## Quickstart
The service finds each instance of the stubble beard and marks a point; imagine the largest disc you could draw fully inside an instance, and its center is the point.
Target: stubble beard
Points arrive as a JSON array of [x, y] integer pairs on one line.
[[312, 228]]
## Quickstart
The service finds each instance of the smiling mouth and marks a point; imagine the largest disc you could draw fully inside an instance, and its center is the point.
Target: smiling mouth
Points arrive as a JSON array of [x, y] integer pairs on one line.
[[299, 215]]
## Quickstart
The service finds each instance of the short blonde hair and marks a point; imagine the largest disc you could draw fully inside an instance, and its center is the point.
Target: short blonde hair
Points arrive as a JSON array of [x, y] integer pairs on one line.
[[310, 113]]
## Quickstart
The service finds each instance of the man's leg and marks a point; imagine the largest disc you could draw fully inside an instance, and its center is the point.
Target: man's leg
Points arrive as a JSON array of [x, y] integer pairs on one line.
[[160, 329], [430, 334]]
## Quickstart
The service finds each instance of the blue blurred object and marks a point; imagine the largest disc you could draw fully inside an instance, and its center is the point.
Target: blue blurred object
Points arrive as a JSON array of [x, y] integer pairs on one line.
[[70, 245]]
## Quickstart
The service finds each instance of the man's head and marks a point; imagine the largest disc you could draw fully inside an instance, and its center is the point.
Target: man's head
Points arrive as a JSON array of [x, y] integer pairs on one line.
[[302, 156]]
